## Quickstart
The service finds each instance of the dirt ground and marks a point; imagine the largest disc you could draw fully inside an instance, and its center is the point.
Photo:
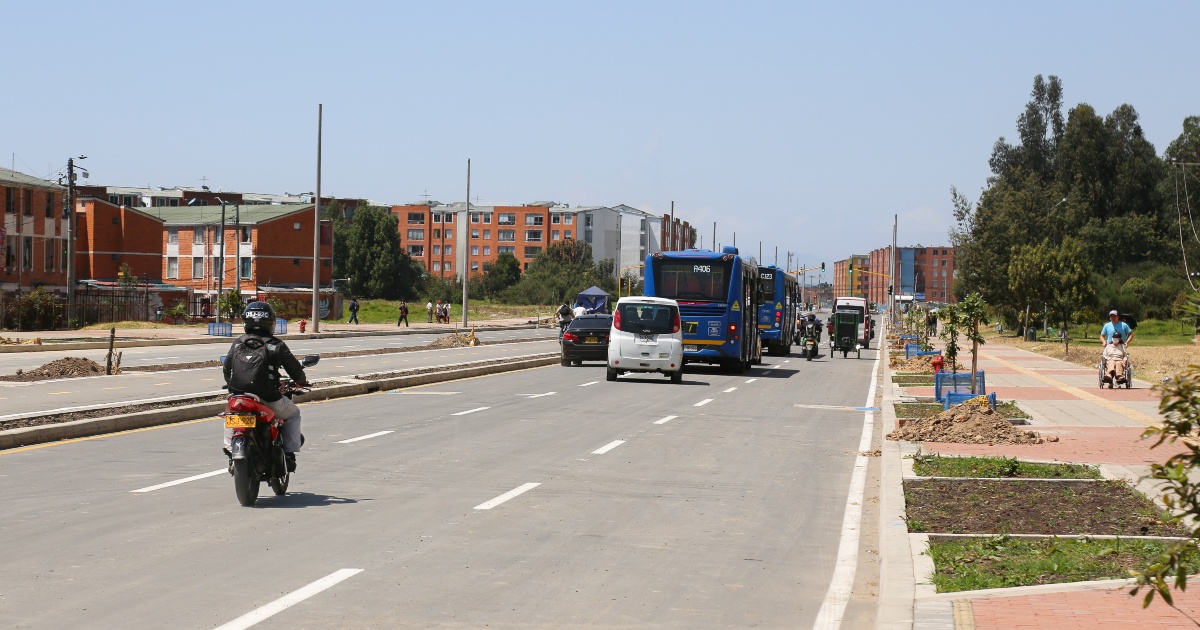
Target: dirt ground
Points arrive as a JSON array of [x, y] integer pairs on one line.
[[69, 367], [920, 365], [1150, 363], [965, 424]]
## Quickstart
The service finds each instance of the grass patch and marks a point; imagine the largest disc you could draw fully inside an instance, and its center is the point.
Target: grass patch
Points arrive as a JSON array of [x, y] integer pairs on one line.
[[983, 506], [927, 465], [141, 325], [1007, 409], [1001, 561], [918, 380], [388, 311]]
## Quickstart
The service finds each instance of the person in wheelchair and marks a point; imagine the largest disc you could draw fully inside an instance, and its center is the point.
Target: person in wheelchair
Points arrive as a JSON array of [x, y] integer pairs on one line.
[[1116, 360]]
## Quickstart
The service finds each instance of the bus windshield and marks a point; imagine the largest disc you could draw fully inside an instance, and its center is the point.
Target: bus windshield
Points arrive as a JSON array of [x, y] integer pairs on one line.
[[692, 280], [766, 283]]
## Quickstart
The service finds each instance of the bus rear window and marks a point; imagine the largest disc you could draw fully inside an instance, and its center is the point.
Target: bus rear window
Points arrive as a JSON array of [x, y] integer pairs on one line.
[[692, 280]]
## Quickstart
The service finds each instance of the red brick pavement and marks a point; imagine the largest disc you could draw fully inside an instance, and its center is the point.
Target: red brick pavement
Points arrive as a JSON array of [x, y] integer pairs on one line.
[[1009, 393], [1086, 610], [1083, 445]]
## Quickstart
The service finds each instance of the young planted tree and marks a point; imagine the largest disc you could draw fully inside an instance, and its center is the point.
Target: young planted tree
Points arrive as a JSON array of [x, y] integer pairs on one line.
[[951, 319], [973, 312]]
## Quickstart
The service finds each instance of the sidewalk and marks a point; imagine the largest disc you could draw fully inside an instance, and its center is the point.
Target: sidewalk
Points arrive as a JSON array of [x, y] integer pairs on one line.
[[1094, 426]]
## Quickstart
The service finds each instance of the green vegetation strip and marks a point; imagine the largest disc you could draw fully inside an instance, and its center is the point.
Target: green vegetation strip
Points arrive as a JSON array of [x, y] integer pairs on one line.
[[984, 506], [1008, 409], [998, 467], [968, 564], [914, 381]]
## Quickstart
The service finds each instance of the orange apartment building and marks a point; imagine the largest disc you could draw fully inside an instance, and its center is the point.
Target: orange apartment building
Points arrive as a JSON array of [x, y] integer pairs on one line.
[[852, 284], [111, 236], [923, 274], [33, 234]]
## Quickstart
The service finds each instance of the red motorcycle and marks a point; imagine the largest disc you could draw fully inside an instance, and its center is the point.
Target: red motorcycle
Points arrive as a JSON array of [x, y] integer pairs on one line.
[[257, 447]]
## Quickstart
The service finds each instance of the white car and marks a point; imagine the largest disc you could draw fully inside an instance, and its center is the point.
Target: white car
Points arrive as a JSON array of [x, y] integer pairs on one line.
[[646, 336]]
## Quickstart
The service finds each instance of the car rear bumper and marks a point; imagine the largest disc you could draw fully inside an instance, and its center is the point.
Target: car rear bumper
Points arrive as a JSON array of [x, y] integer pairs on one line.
[[597, 352]]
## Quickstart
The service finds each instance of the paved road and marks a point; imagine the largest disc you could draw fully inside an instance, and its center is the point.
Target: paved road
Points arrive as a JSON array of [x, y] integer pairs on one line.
[[715, 503], [131, 387], [161, 355]]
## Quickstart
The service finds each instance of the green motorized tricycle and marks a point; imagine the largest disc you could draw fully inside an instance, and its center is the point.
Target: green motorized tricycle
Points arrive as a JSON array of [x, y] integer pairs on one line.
[[844, 327]]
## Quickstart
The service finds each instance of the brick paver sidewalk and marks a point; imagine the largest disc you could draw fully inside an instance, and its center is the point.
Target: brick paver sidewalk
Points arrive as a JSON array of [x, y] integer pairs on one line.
[[1094, 426]]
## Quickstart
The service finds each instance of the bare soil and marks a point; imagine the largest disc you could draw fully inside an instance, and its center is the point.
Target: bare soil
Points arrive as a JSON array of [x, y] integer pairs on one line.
[[458, 340], [919, 365], [68, 367], [981, 506], [965, 424]]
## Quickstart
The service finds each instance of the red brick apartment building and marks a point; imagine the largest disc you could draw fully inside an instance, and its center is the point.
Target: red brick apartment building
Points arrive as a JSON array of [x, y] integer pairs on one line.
[[110, 236], [265, 246], [856, 284], [923, 274], [33, 233]]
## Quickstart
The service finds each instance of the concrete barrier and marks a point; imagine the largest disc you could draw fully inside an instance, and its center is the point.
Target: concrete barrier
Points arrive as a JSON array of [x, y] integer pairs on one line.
[[74, 429]]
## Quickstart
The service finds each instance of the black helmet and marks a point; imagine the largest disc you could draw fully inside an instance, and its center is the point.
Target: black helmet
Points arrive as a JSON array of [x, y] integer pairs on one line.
[[259, 319]]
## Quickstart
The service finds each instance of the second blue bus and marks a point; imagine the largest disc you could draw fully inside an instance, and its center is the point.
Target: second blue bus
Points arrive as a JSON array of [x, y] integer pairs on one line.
[[779, 309]]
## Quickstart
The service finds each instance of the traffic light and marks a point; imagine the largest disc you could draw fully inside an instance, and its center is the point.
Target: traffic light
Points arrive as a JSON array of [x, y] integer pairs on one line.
[[822, 266], [889, 289]]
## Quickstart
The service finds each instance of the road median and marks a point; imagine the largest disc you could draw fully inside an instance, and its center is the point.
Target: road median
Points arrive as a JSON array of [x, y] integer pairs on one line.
[[354, 386]]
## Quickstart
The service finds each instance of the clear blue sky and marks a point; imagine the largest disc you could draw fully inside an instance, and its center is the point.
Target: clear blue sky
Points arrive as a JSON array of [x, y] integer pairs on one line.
[[803, 125]]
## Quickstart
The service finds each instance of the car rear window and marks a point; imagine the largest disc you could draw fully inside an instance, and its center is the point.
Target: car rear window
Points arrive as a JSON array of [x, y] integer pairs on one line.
[[648, 319], [590, 323]]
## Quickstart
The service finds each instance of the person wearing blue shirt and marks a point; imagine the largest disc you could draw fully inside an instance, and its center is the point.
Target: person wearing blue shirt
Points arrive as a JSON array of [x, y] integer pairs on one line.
[[1115, 325]]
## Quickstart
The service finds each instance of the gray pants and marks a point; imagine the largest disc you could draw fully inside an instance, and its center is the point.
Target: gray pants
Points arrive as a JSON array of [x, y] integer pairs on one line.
[[287, 411]]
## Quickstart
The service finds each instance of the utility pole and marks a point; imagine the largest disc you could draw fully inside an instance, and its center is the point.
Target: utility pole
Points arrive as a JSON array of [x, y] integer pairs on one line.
[[895, 257], [671, 229], [464, 255], [316, 290], [713, 245], [777, 256], [237, 246], [221, 276], [69, 215]]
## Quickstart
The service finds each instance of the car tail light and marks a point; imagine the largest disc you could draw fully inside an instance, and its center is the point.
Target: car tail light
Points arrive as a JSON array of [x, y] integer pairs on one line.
[[570, 336], [676, 325], [617, 319]]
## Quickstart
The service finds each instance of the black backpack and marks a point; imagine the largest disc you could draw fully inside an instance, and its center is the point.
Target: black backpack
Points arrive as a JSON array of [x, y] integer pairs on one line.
[[254, 368]]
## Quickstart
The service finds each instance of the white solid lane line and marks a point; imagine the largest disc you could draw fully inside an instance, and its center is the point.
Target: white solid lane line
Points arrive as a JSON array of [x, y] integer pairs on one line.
[[787, 360], [289, 600], [834, 607], [751, 380], [179, 481], [729, 390], [515, 492], [463, 413], [540, 395], [703, 402], [665, 420], [608, 447], [364, 437], [591, 383]]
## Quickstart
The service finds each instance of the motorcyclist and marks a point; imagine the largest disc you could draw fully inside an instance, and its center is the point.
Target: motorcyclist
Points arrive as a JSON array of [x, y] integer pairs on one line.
[[564, 315], [252, 367], [816, 326]]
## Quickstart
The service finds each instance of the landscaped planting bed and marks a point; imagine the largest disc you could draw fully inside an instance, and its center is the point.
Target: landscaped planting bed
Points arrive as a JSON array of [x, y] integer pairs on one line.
[[1007, 409], [927, 465]]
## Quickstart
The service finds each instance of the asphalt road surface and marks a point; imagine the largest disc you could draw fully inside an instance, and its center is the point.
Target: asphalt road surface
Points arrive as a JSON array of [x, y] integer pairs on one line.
[[542, 498]]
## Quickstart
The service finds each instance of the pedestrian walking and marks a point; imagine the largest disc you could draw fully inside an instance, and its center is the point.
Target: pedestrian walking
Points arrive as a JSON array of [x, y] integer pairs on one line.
[[205, 304], [403, 314], [353, 311], [429, 310]]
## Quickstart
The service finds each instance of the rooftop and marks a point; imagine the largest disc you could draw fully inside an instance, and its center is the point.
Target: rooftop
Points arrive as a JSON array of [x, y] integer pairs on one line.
[[16, 178], [211, 215]]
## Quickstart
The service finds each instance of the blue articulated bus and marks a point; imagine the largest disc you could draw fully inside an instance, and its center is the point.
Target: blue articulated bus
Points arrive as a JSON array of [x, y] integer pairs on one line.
[[779, 308], [719, 296]]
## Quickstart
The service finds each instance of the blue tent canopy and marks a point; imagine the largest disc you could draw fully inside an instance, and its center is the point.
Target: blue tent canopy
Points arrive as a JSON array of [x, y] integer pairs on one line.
[[594, 299]]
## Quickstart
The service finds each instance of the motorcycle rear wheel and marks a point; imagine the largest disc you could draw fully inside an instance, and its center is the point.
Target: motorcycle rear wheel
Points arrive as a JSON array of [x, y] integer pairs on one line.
[[279, 485], [245, 482]]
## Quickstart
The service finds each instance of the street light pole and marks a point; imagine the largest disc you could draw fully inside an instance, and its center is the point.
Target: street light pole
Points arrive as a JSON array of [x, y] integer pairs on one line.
[[316, 283], [221, 276], [69, 215]]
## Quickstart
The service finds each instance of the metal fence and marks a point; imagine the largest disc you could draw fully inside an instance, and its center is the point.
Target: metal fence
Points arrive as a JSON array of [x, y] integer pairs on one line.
[[46, 311]]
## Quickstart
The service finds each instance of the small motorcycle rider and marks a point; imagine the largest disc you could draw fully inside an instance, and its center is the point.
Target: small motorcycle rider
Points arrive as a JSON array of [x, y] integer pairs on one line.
[[564, 315], [252, 367], [816, 326]]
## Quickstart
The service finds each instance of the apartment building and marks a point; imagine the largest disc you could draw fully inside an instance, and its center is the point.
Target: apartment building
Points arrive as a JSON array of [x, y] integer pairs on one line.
[[260, 247], [33, 233], [924, 274], [110, 236], [854, 284]]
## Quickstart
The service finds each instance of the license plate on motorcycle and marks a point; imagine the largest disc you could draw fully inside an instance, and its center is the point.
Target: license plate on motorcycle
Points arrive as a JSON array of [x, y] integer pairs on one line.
[[237, 421]]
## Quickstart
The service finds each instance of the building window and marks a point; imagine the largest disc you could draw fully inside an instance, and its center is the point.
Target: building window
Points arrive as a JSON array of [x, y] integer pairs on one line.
[[416, 235], [198, 236], [487, 250], [449, 233], [506, 236], [295, 262], [172, 235], [49, 205], [474, 233], [437, 234], [416, 250], [448, 266], [587, 220], [416, 218], [531, 252], [506, 249], [28, 203], [474, 217], [65, 253], [474, 250], [437, 217], [568, 219], [437, 266], [534, 219], [246, 233], [507, 218], [27, 253], [437, 249], [587, 236], [9, 200], [533, 236], [487, 218], [448, 249], [48, 257], [566, 233], [245, 267], [554, 235], [556, 219], [197, 267], [474, 266], [487, 234], [172, 267]]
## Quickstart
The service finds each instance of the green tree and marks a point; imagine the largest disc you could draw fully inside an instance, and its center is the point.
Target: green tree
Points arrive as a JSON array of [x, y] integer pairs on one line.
[[504, 273], [375, 264], [230, 303], [951, 321], [557, 275], [973, 312]]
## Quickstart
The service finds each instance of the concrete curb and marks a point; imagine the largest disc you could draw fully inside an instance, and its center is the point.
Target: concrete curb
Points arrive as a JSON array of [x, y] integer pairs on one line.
[[28, 436], [188, 341], [898, 579]]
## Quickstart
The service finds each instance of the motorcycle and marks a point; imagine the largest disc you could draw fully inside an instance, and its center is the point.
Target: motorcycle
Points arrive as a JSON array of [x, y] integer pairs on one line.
[[256, 451], [810, 341]]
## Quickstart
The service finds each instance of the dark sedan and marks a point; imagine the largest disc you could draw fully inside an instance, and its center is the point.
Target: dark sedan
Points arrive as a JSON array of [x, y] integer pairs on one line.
[[586, 339]]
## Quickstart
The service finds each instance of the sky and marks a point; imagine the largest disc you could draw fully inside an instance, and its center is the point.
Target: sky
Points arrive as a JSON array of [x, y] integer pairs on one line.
[[803, 126]]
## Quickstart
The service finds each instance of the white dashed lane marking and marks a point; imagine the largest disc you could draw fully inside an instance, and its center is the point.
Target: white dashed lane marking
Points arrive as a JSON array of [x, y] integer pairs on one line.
[[291, 599], [751, 380], [665, 420], [608, 447], [179, 481], [463, 413], [591, 383], [729, 390], [540, 395], [365, 437], [515, 492], [703, 402]]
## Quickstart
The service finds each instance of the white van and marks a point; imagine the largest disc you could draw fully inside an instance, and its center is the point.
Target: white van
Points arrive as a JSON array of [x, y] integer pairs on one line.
[[866, 330], [646, 336]]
